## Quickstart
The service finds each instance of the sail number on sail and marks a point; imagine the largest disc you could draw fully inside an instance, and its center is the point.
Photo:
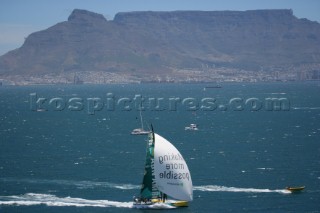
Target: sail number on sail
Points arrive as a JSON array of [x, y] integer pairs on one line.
[[175, 169]]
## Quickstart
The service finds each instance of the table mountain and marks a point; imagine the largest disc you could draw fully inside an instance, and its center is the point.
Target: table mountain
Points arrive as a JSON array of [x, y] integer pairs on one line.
[[160, 42]]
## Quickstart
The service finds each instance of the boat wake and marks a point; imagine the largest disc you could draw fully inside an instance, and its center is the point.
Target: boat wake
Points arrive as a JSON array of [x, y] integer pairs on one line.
[[214, 188], [305, 108], [31, 199], [95, 185], [155, 206]]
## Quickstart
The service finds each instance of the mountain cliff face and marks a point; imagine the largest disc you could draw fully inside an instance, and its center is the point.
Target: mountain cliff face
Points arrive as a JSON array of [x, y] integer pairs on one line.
[[159, 42]]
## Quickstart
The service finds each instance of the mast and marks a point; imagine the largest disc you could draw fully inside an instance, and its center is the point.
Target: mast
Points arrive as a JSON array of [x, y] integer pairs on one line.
[[141, 120]]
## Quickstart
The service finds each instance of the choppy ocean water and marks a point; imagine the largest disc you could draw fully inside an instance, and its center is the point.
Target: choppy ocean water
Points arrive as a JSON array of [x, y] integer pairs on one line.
[[69, 148]]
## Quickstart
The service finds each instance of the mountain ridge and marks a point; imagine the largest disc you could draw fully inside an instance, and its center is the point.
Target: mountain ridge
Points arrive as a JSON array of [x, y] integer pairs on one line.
[[160, 43]]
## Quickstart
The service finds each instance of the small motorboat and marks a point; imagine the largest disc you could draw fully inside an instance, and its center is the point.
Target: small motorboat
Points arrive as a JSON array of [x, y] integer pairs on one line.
[[193, 127], [295, 189]]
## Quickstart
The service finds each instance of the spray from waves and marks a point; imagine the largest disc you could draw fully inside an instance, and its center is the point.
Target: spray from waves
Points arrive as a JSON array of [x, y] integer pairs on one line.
[[214, 188], [93, 185], [156, 206], [31, 199]]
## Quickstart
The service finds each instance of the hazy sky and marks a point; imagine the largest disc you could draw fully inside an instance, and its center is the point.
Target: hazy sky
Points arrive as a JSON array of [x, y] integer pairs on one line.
[[19, 18]]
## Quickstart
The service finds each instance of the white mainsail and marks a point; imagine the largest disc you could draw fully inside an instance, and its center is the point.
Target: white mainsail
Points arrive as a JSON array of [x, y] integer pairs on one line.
[[171, 171]]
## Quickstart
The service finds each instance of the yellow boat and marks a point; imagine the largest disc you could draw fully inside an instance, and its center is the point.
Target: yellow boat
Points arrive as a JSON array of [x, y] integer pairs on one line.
[[295, 189], [180, 203], [176, 203]]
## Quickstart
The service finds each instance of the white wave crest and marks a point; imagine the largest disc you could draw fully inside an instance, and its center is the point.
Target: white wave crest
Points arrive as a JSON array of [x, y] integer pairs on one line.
[[305, 108], [263, 168], [214, 188], [30, 199], [155, 206], [277, 93]]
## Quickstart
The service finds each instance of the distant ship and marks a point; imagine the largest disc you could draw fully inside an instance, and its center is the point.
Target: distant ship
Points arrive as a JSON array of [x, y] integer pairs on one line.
[[213, 87], [193, 127]]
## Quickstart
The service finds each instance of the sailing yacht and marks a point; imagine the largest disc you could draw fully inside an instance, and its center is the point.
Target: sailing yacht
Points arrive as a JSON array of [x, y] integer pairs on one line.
[[140, 131], [166, 174]]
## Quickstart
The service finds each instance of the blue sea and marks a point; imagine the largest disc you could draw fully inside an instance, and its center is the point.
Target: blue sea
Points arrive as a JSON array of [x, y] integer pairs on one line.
[[69, 149]]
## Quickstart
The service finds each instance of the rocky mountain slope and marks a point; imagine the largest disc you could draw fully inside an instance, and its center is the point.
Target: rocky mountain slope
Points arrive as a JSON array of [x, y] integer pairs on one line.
[[143, 43]]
